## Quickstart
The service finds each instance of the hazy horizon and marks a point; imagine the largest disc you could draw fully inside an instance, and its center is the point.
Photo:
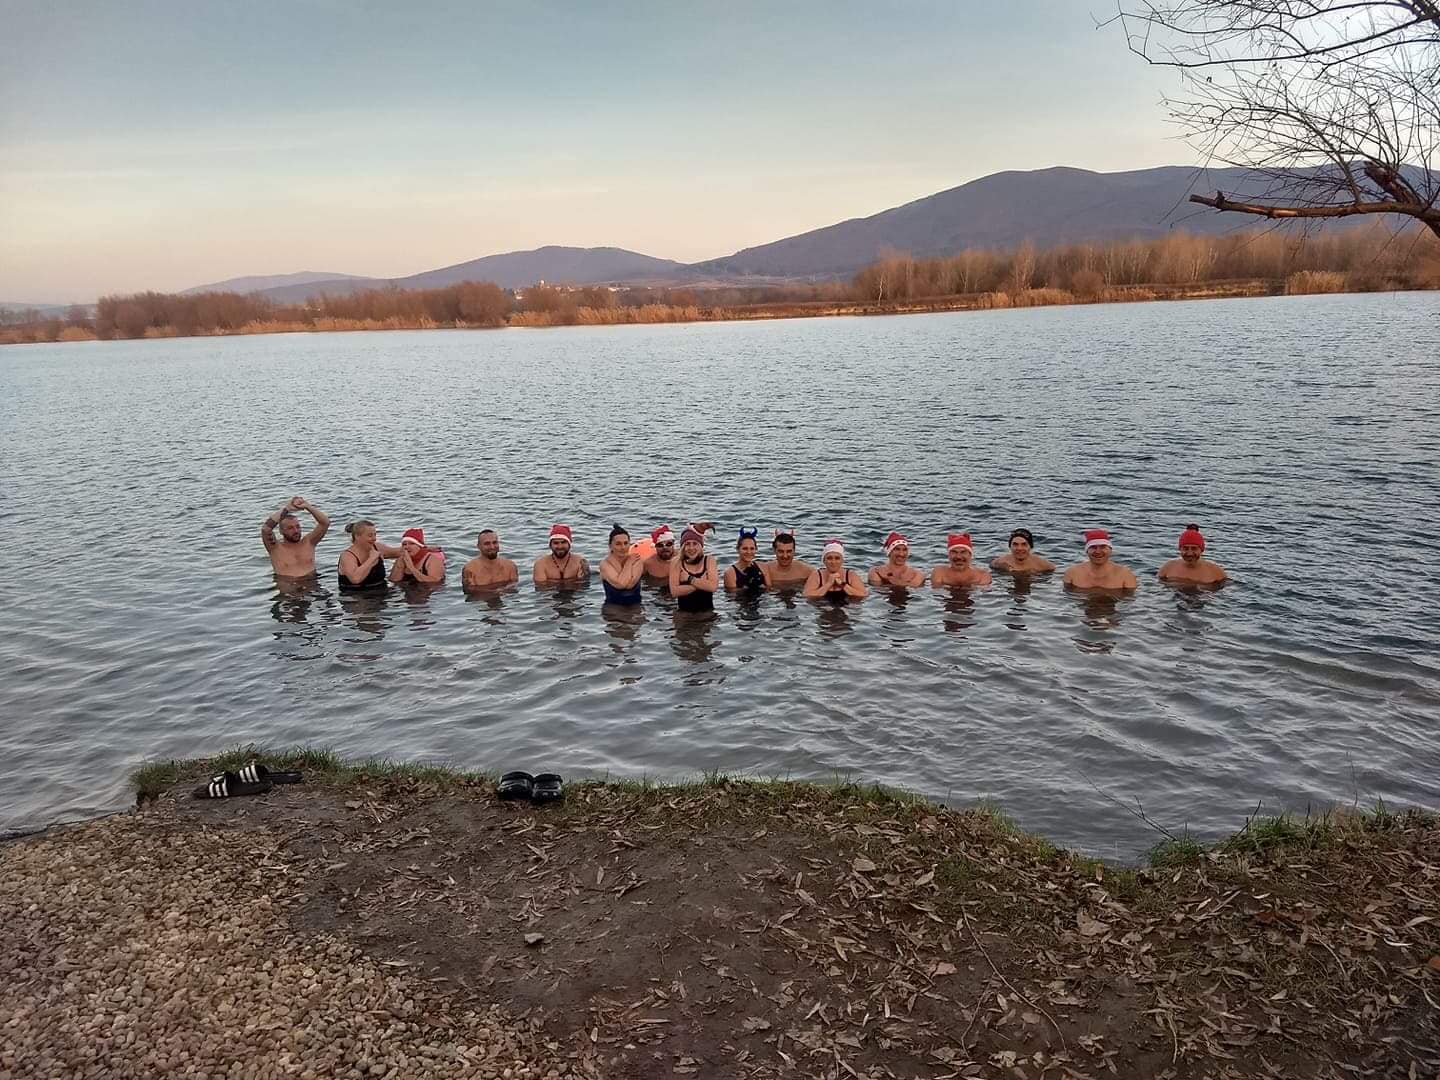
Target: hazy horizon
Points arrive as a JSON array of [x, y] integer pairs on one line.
[[163, 146]]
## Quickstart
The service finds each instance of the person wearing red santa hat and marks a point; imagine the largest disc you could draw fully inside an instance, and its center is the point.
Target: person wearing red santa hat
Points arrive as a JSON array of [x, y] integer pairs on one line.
[[657, 566], [1097, 571], [1191, 568], [1021, 558], [960, 571], [561, 564], [418, 564], [896, 570], [833, 580]]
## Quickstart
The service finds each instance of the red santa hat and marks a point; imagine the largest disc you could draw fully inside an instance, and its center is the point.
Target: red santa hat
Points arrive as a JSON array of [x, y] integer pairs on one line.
[[958, 540], [414, 536], [1097, 538], [560, 532], [662, 535], [1192, 535], [833, 545], [895, 540]]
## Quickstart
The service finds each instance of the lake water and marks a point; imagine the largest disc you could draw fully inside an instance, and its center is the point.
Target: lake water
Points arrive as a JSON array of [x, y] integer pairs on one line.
[[1302, 433]]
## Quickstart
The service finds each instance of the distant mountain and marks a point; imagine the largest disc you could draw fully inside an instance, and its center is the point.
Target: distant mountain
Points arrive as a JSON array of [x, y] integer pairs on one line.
[[512, 270], [1047, 206], [46, 310], [259, 283]]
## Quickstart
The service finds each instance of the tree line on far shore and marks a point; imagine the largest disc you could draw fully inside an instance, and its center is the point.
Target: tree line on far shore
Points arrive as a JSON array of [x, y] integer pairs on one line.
[[1175, 265]]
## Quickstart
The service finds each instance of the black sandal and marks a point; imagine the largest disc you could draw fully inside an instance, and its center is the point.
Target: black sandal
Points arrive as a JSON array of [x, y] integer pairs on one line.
[[515, 785], [548, 787], [255, 773], [227, 785]]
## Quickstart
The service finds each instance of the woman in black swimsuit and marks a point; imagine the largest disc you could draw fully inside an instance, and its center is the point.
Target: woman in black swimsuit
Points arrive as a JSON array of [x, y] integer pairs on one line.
[[362, 564], [747, 575], [694, 576], [833, 580]]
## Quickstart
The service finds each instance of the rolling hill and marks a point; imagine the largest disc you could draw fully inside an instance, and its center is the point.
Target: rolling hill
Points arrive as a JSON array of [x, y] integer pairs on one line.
[[1047, 206]]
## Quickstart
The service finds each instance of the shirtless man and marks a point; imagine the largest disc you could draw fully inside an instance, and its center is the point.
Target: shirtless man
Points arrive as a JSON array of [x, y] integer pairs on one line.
[[561, 564], [1190, 568], [786, 571], [960, 571], [1021, 558], [293, 555], [896, 570], [657, 566], [488, 570], [1098, 572]]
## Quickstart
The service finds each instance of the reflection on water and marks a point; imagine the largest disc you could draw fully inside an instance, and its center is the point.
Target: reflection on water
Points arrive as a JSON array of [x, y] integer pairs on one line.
[[959, 608], [1198, 703]]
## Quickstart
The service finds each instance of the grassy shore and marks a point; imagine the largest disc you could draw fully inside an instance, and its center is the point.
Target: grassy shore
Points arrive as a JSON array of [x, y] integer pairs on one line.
[[651, 314], [723, 927]]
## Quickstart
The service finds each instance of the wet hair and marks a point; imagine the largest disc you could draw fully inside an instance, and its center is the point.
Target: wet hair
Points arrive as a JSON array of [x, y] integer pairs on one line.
[[1024, 534], [361, 524], [484, 531], [618, 530], [783, 538]]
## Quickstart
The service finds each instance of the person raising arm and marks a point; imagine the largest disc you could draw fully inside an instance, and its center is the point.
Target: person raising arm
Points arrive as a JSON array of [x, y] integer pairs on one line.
[[293, 555]]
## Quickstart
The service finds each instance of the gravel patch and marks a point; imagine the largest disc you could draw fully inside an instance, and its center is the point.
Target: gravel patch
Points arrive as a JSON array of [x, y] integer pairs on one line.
[[132, 949]]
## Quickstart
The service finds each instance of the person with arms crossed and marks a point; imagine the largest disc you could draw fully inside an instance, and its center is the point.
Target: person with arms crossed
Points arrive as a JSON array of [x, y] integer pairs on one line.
[[620, 571]]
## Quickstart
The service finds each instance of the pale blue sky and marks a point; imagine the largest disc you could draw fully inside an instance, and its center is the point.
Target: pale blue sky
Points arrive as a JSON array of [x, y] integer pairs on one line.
[[160, 144]]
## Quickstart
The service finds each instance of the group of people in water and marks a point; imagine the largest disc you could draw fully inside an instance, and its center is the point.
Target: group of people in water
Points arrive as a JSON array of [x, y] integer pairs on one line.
[[692, 575]]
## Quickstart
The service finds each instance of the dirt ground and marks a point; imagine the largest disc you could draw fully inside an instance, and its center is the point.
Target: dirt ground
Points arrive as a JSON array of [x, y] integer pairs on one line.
[[761, 930]]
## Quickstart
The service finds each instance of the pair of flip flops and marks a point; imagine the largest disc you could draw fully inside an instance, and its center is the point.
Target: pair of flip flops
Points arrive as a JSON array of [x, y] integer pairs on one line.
[[541, 788], [252, 779]]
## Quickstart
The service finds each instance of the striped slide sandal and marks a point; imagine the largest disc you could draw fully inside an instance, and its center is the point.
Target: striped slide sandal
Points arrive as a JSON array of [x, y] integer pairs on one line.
[[255, 773], [227, 785]]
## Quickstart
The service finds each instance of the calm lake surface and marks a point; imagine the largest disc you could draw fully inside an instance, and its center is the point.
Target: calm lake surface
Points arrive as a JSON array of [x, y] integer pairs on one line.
[[141, 620]]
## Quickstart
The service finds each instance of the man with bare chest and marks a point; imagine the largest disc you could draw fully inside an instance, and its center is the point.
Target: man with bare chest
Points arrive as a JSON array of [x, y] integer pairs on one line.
[[293, 555], [562, 564], [896, 571], [785, 570], [1191, 568], [488, 570], [960, 571], [1098, 572], [657, 566]]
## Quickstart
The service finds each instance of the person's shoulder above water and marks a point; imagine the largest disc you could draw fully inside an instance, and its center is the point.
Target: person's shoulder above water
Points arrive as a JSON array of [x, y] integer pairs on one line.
[[832, 579], [1021, 558], [1192, 567], [785, 569], [293, 555], [418, 563], [896, 571], [561, 564], [488, 569], [1097, 571], [960, 570]]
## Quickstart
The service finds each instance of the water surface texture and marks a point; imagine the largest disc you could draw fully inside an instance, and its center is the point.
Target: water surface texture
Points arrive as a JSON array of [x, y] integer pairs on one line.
[[1302, 433]]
